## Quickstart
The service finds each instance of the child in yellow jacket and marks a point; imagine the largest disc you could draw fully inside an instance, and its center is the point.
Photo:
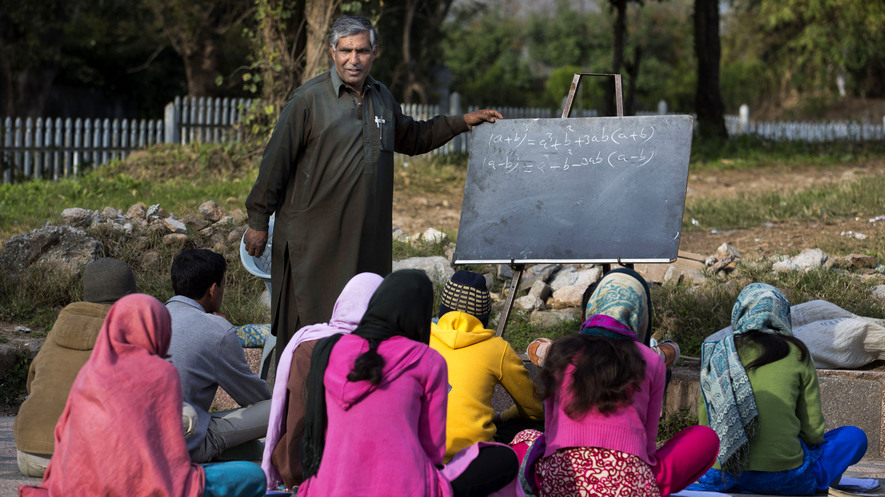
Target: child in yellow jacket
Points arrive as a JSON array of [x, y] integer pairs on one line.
[[477, 361]]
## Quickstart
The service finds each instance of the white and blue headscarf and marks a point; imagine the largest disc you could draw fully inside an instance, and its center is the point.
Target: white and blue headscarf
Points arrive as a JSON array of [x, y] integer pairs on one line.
[[728, 395]]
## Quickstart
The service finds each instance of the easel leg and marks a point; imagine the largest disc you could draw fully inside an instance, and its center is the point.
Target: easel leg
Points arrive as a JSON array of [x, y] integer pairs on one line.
[[511, 295]]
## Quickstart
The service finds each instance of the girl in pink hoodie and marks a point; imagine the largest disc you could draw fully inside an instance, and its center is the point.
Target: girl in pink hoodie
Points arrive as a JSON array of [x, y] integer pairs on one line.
[[376, 407]]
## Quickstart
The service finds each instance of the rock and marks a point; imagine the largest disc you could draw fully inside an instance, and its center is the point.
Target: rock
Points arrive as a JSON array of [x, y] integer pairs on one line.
[[567, 296], [225, 221], [401, 236], [436, 268], [195, 222], [566, 276], [878, 291], [450, 255], [655, 273], [238, 215], [528, 303], [673, 275], [236, 235], [174, 239], [137, 211], [807, 260], [150, 258], [433, 236], [537, 272], [695, 276], [549, 319], [210, 211], [63, 248], [540, 290], [725, 265], [587, 277], [725, 250], [174, 225], [111, 214], [505, 272], [858, 261], [79, 218]]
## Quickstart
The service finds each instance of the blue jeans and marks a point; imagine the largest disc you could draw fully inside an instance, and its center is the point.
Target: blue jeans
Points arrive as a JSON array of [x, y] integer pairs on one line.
[[234, 479], [822, 466]]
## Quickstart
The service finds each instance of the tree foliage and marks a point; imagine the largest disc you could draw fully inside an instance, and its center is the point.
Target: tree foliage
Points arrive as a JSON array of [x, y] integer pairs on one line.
[[31, 39], [206, 34], [484, 49], [781, 50]]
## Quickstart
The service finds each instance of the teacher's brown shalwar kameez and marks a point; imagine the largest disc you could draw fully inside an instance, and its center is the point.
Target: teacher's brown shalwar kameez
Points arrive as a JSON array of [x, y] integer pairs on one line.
[[327, 174]]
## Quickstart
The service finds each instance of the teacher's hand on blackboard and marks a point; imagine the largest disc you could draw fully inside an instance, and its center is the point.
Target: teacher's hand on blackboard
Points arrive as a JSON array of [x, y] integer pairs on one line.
[[481, 116]]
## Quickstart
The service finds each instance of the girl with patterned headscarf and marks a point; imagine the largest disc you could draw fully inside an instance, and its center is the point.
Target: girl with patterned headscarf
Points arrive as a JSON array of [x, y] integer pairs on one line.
[[760, 394], [603, 392]]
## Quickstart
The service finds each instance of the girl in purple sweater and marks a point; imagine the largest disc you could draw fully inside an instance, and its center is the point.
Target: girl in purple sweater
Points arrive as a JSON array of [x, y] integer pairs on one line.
[[603, 390]]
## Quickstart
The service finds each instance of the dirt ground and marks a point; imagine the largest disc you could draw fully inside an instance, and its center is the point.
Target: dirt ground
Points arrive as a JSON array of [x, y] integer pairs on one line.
[[442, 210]]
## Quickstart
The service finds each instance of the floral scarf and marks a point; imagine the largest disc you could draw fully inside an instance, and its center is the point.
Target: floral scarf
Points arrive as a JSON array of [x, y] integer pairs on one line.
[[620, 307]]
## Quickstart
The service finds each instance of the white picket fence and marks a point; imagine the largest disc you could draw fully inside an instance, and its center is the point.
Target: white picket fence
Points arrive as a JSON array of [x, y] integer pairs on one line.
[[56, 148], [807, 132]]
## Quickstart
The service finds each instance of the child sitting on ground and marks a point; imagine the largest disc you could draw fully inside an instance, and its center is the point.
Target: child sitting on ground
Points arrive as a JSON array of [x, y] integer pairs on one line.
[[603, 391], [760, 394], [121, 433], [477, 361], [376, 402]]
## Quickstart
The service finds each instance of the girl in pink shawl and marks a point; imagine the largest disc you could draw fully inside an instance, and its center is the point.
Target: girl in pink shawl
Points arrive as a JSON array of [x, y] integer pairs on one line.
[[121, 430], [282, 458]]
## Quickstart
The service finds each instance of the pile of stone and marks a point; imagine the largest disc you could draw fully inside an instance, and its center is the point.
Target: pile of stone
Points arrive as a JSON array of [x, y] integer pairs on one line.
[[70, 246], [554, 290]]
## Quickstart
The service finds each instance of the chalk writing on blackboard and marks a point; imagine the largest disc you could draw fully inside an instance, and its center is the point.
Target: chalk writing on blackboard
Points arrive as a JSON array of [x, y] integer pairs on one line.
[[569, 149], [582, 190]]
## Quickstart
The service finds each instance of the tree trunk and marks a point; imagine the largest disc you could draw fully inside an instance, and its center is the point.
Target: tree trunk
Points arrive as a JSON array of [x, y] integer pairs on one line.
[[620, 7], [30, 48], [318, 14], [201, 67], [25, 91], [708, 99], [632, 69], [408, 70]]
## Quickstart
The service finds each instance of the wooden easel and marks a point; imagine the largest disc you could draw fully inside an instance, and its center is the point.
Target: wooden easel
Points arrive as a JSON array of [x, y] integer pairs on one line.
[[518, 269]]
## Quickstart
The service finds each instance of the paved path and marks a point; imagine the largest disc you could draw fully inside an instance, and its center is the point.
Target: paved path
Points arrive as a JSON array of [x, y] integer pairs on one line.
[[10, 478]]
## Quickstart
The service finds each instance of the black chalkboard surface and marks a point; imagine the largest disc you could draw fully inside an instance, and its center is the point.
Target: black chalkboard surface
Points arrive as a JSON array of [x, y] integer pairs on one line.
[[583, 190]]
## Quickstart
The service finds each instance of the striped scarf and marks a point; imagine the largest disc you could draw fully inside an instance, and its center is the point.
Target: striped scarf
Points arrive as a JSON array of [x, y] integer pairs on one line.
[[727, 393]]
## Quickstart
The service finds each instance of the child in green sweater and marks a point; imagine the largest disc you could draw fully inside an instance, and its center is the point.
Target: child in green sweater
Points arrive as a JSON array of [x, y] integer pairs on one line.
[[760, 394]]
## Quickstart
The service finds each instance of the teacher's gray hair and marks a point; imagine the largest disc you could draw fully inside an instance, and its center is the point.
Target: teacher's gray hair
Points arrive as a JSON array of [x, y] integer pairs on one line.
[[352, 25]]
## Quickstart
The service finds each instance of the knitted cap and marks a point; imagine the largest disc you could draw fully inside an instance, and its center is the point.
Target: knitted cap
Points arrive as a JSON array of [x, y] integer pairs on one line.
[[107, 280], [467, 292]]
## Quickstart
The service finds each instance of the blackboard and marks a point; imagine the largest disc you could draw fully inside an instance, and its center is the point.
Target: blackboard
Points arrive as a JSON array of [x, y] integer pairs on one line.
[[582, 190]]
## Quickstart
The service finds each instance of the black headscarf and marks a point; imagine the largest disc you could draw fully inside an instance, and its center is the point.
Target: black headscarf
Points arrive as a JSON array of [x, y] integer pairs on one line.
[[401, 306]]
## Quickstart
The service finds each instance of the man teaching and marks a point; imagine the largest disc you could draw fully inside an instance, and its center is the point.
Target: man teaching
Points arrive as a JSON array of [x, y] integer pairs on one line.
[[327, 174]]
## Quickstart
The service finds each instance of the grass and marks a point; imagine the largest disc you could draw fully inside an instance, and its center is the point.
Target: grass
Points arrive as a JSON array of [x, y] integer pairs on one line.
[[181, 178], [752, 152], [177, 178], [845, 200]]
